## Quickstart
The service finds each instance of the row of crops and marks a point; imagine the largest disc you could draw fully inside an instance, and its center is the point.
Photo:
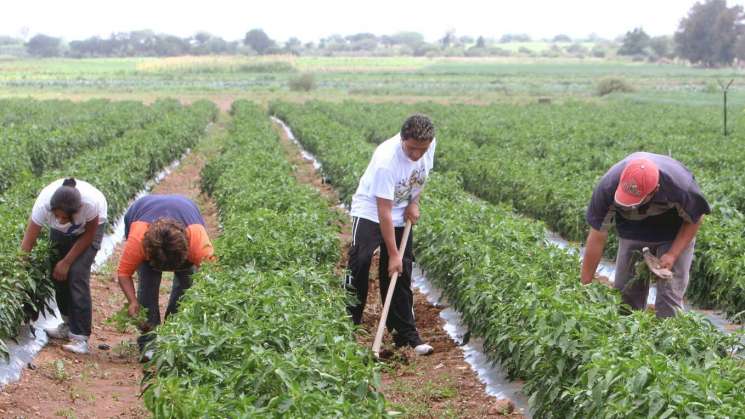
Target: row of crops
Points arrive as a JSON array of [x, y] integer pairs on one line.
[[38, 136], [118, 159], [545, 160], [577, 355], [263, 331]]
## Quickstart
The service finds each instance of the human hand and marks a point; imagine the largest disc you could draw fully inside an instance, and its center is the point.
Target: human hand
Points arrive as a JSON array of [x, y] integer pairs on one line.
[[411, 213], [133, 309], [61, 270], [395, 264], [667, 261]]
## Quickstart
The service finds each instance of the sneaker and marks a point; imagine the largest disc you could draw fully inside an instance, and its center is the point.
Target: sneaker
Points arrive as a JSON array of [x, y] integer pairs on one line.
[[78, 344], [147, 356], [423, 349], [60, 332]]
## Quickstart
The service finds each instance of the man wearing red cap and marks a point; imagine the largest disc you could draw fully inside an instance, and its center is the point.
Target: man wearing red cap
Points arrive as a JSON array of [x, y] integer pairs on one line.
[[654, 202]]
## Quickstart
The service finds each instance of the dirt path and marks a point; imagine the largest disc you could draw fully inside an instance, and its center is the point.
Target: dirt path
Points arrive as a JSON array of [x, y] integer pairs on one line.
[[105, 383], [439, 385]]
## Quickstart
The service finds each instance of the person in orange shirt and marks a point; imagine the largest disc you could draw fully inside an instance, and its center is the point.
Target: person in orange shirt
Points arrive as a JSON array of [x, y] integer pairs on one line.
[[163, 233]]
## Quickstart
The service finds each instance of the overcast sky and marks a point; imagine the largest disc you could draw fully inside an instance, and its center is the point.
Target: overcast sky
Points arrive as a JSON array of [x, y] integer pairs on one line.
[[311, 20]]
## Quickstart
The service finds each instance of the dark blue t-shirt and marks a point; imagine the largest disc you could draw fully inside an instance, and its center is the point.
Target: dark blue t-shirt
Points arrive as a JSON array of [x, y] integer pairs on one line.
[[679, 199], [154, 207]]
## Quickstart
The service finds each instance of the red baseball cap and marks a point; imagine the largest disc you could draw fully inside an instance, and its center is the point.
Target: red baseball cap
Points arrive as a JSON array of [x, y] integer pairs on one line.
[[639, 178]]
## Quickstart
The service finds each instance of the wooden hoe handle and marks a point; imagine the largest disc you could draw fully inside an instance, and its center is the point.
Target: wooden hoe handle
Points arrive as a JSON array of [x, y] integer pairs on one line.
[[389, 296]]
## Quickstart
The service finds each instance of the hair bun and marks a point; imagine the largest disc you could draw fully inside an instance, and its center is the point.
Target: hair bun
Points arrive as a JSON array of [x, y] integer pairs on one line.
[[69, 182]]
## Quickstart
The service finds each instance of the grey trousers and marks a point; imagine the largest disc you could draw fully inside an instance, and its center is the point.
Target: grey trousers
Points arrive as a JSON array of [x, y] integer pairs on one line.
[[634, 292], [148, 291], [74, 295]]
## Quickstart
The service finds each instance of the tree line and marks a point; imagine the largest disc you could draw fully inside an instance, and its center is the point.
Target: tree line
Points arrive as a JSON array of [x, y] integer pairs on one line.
[[712, 34]]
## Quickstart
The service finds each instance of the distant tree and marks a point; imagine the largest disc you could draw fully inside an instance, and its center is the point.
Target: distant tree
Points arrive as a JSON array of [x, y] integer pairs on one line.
[[363, 36], [481, 42], [362, 42], [258, 40], [217, 45], [44, 46], [599, 51], [709, 33], [333, 43], [293, 46], [634, 43], [199, 43], [141, 43], [171, 45], [562, 38], [9, 40], [526, 51], [448, 40], [662, 46], [509, 37], [465, 40], [475, 51], [577, 49], [204, 43], [740, 48], [411, 39]]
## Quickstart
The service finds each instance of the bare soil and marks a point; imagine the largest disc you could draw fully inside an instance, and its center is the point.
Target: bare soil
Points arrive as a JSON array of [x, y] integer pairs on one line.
[[105, 383], [434, 386]]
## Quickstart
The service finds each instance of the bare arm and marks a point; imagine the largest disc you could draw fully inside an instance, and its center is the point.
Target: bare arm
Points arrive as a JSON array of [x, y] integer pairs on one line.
[[85, 240], [685, 235], [385, 217], [128, 288], [593, 253], [62, 267], [411, 213], [30, 236]]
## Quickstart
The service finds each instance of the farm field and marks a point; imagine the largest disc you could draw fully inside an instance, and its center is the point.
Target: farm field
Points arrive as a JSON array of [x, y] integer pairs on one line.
[[264, 332], [532, 158], [523, 296], [474, 80]]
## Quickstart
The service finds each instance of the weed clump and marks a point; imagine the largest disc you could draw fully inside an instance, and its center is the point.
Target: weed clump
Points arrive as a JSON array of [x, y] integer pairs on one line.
[[303, 83], [612, 85]]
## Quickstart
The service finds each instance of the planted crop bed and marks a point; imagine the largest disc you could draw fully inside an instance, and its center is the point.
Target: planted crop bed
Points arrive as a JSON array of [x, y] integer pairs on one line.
[[119, 169], [263, 332], [577, 355], [41, 135], [544, 161]]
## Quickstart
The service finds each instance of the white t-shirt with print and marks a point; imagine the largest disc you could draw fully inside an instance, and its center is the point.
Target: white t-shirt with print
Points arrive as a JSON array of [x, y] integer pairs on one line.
[[94, 204], [391, 175]]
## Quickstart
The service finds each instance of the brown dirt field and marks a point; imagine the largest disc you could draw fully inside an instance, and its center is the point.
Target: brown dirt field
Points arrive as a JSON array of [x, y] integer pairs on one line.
[[105, 383], [439, 385]]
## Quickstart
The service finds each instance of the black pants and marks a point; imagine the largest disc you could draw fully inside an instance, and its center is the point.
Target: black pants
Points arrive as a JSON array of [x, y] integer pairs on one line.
[[74, 295], [366, 237], [148, 291]]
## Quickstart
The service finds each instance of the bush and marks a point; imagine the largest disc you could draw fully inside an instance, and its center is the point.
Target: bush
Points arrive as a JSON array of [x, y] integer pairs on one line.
[[598, 52], [476, 52], [267, 67], [303, 83], [526, 51], [612, 85], [500, 52]]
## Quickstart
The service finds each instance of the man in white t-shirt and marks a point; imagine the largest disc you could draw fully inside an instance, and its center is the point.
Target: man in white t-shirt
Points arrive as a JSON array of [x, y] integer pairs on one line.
[[387, 196]]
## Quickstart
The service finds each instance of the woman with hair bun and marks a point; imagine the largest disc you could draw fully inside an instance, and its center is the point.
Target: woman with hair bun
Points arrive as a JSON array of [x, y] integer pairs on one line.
[[75, 213]]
